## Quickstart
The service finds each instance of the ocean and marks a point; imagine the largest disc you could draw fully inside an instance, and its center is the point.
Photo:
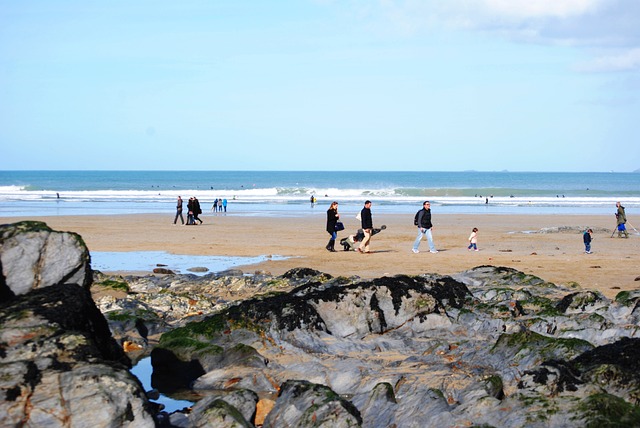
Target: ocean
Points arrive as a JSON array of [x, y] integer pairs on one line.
[[288, 193]]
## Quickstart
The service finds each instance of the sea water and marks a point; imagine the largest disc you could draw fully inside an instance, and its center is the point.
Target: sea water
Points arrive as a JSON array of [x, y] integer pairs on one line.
[[288, 193]]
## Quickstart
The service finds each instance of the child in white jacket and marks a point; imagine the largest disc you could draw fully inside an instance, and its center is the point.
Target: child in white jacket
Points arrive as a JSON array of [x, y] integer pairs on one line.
[[473, 240]]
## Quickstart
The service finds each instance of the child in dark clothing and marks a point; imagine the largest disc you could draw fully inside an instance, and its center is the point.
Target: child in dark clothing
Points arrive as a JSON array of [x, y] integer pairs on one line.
[[586, 237]]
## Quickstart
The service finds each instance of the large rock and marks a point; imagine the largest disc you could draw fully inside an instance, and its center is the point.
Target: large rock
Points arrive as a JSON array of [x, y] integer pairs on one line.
[[59, 365], [33, 256], [428, 350], [304, 404], [242, 401]]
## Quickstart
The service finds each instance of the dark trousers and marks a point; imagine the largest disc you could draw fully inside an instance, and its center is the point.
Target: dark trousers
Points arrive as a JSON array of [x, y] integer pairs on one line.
[[178, 214]]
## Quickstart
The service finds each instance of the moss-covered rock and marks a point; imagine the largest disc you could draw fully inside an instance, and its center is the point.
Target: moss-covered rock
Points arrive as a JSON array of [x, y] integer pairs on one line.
[[113, 285], [531, 344], [607, 411]]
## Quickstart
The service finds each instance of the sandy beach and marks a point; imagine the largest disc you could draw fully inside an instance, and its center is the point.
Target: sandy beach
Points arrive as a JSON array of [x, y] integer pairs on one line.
[[503, 240]]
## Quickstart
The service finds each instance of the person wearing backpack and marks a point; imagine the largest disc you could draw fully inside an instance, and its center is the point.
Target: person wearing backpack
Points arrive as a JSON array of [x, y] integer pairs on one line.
[[422, 220]]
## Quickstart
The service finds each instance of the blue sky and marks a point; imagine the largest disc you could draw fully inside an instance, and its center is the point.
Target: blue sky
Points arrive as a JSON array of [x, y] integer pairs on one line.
[[435, 85]]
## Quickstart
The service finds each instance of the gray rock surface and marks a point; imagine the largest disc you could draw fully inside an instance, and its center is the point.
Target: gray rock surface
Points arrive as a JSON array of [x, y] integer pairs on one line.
[[491, 346], [59, 365], [33, 256], [243, 401], [304, 404]]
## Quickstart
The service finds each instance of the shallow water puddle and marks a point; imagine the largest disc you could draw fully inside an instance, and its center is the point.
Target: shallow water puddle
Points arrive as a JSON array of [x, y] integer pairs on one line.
[[179, 263], [143, 370]]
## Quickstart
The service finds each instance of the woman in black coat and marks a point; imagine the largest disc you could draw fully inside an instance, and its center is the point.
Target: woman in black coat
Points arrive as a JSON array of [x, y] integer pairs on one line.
[[332, 219]]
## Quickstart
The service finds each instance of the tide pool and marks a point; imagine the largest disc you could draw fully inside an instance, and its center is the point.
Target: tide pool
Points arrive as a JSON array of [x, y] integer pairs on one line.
[[143, 370], [133, 261]]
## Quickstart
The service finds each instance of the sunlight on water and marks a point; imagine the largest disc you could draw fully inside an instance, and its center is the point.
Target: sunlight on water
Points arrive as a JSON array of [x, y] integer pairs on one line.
[[178, 263], [143, 371]]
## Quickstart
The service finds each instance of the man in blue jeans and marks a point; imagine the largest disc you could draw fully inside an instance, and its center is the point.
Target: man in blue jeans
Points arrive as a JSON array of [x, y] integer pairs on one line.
[[424, 228]]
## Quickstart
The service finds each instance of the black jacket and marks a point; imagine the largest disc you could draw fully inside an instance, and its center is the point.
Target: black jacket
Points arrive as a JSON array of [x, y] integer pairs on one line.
[[424, 219], [365, 215], [332, 219]]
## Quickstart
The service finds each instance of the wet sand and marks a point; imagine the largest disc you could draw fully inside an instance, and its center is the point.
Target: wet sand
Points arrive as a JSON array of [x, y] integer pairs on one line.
[[503, 240]]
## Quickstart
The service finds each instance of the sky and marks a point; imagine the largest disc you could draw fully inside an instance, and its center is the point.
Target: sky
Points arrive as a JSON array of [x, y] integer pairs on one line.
[[367, 85]]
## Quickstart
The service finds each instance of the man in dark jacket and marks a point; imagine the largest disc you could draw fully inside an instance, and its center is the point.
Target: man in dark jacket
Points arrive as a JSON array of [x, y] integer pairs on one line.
[[424, 228], [196, 210], [367, 227], [178, 211]]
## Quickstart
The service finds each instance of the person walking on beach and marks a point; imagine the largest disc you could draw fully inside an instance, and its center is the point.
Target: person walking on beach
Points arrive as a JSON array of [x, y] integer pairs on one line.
[[196, 210], [178, 211], [214, 207], [586, 238], [190, 208], [332, 219], [423, 221], [224, 204], [622, 219], [473, 240], [367, 227]]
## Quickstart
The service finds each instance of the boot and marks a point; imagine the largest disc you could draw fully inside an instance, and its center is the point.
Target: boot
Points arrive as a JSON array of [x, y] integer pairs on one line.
[[330, 245], [626, 234]]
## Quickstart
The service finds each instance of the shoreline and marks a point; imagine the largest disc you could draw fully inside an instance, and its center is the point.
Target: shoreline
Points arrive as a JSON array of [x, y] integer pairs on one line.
[[504, 240]]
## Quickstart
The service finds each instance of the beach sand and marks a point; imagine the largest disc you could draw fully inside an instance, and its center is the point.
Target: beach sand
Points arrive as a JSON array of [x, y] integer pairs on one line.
[[502, 240]]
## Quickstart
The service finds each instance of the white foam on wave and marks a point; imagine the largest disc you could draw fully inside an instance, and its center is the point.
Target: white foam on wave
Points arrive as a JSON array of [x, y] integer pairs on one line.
[[272, 195]]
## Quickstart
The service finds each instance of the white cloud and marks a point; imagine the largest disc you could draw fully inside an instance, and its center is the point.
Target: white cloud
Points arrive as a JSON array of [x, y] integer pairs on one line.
[[576, 22], [526, 9], [609, 27], [623, 61]]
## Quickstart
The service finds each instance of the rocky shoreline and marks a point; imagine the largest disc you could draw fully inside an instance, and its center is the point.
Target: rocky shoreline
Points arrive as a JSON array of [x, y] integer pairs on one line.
[[489, 346]]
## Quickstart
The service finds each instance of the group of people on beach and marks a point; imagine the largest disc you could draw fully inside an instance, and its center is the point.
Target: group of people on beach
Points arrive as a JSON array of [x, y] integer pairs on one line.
[[194, 210], [422, 221], [193, 213], [219, 205], [621, 218]]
